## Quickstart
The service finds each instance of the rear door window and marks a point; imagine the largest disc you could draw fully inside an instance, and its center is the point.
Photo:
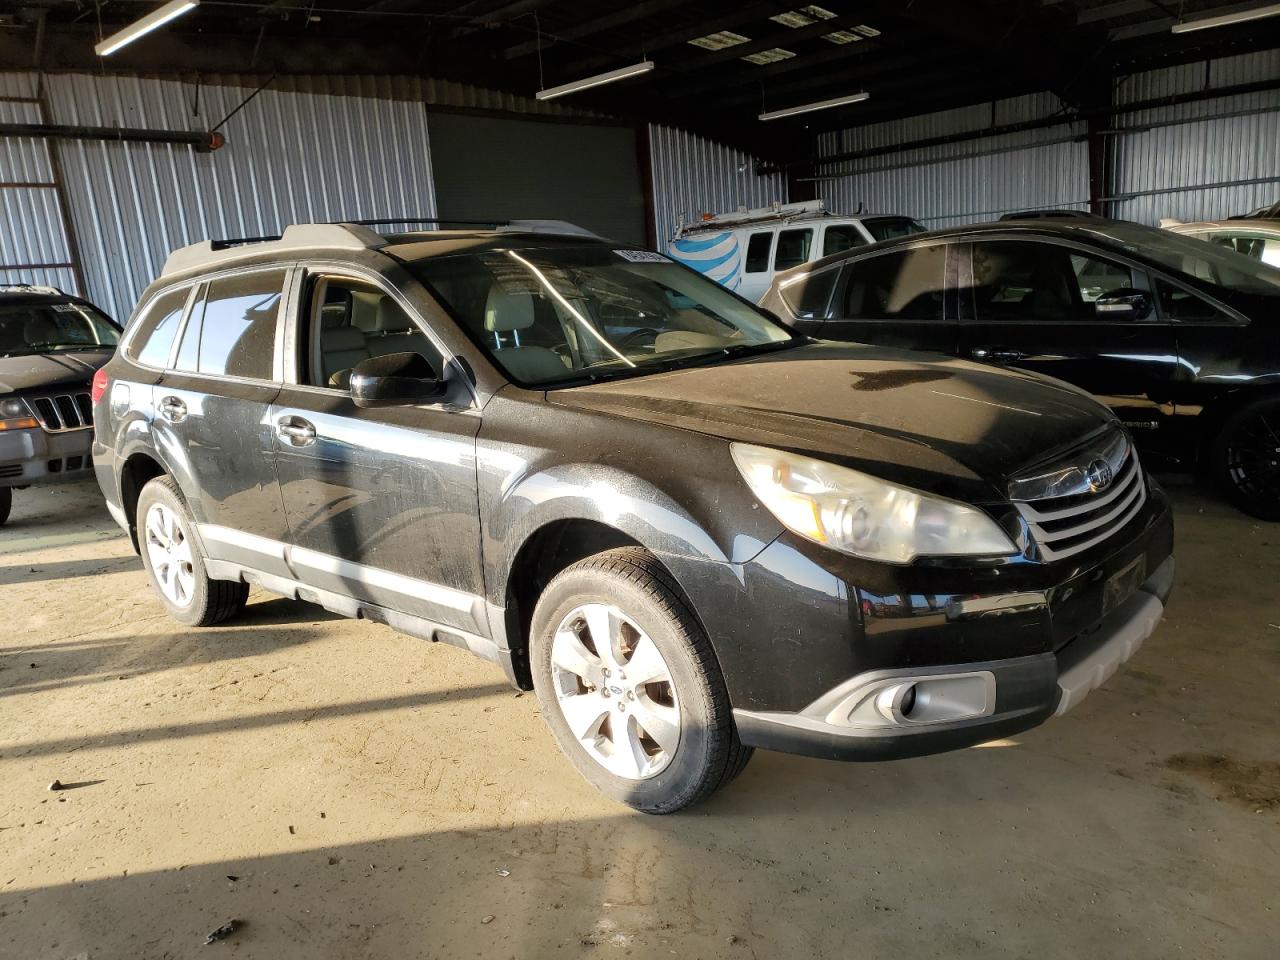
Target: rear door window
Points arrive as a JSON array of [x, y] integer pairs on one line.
[[905, 285], [793, 248], [236, 331], [841, 237], [758, 249], [153, 342]]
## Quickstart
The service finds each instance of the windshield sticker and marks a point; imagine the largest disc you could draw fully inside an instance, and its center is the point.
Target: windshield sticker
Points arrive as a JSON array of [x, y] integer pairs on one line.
[[65, 307], [641, 256]]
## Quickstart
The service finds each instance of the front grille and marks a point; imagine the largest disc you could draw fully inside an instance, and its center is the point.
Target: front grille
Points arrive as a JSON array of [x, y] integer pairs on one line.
[[66, 411], [1065, 525], [11, 470]]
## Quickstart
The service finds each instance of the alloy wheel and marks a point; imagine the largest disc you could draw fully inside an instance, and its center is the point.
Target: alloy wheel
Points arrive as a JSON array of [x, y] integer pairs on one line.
[[169, 553], [615, 691], [1253, 458]]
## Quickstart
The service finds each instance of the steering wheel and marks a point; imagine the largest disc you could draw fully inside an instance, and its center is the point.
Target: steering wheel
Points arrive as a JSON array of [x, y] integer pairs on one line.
[[639, 339]]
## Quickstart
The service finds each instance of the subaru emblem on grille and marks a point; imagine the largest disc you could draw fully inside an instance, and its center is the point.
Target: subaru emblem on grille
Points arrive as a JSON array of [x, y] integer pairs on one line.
[[1099, 475]]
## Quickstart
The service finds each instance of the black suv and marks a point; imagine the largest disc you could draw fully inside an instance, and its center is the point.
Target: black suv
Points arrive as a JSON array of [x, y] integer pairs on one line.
[[50, 345], [689, 529], [1181, 338]]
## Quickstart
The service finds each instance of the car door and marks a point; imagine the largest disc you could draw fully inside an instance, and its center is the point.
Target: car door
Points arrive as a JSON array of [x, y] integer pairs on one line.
[[211, 421], [1067, 310], [382, 502], [897, 298]]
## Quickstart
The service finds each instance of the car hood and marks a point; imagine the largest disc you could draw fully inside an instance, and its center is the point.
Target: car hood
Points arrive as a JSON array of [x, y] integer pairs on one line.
[[45, 371], [950, 427]]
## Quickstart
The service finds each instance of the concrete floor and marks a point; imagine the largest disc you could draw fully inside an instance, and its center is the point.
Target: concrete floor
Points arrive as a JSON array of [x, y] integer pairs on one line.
[[347, 792]]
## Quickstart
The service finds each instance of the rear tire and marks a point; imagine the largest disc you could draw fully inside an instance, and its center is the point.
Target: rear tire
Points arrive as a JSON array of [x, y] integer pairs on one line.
[[6, 504], [172, 558], [1246, 458], [660, 740]]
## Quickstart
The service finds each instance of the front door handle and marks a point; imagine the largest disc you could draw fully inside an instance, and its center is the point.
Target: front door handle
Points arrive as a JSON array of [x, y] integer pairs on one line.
[[996, 354], [296, 431], [173, 409]]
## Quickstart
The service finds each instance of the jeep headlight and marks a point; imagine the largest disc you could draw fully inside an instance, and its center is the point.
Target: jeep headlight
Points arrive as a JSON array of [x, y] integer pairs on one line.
[[858, 514], [16, 415]]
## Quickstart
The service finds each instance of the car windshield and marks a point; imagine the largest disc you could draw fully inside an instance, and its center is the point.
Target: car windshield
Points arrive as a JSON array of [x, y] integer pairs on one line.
[[30, 328], [888, 228], [556, 316], [1204, 261]]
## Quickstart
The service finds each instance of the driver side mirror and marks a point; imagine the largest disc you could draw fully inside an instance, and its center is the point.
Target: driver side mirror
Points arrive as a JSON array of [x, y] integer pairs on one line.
[[394, 380], [1123, 304]]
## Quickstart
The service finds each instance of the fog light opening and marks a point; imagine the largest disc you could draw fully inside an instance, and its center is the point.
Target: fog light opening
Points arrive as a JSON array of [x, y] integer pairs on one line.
[[908, 702]]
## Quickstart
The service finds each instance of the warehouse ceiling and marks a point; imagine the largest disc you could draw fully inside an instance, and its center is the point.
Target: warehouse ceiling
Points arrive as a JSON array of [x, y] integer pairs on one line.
[[718, 63]]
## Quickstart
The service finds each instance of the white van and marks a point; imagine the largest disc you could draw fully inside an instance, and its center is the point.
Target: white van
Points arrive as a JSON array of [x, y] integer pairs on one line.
[[744, 249]]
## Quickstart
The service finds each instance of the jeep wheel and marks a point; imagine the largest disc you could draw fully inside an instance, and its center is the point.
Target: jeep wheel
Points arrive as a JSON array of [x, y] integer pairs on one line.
[[629, 685], [172, 558], [1246, 458]]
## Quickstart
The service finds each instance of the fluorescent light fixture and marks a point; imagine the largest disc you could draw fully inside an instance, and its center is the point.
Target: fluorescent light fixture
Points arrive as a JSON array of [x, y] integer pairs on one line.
[[1227, 19], [819, 105], [772, 55], [719, 40], [600, 79], [140, 28]]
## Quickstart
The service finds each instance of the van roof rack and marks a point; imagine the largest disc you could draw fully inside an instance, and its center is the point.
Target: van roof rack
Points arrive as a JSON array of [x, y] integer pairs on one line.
[[348, 235], [782, 212]]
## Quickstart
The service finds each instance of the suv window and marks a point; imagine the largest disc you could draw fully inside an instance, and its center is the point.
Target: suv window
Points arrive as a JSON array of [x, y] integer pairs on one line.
[[349, 320], [1018, 280], [1179, 304], [154, 340], [232, 328], [907, 285], [841, 237], [793, 248], [758, 248]]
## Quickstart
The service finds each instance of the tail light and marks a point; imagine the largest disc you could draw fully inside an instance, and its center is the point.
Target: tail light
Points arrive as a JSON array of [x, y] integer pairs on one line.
[[99, 388]]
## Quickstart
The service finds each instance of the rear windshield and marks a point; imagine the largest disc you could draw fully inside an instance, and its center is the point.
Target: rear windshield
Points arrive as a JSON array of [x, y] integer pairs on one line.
[[32, 328], [553, 317], [888, 228]]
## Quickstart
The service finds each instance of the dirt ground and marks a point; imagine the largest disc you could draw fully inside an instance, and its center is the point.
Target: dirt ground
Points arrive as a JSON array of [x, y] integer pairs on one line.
[[347, 792]]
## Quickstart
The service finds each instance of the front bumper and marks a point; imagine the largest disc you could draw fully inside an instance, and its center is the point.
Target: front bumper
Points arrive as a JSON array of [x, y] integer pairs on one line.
[[963, 704], [34, 456]]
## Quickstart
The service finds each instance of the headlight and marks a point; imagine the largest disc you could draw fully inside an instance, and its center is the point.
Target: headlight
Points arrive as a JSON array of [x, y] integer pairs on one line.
[[16, 415], [858, 514]]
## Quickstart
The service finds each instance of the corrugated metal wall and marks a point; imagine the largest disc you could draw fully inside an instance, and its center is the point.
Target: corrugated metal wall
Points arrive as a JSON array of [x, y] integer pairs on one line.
[[954, 183], [290, 157], [1189, 147], [31, 217], [693, 176]]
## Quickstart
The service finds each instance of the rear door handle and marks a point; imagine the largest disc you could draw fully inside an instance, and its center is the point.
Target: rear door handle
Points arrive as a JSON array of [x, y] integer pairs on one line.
[[296, 431], [173, 409], [996, 354]]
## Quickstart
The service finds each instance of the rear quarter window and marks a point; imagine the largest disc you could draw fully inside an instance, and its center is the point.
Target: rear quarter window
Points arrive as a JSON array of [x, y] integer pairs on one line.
[[153, 342], [808, 296]]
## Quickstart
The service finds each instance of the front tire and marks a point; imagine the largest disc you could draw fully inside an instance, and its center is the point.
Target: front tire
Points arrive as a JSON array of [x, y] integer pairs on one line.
[[172, 558], [629, 685], [1246, 458], [6, 504]]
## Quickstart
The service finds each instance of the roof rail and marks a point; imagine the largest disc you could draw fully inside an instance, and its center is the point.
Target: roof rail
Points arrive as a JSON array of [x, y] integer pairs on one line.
[[300, 236], [351, 235], [41, 288]]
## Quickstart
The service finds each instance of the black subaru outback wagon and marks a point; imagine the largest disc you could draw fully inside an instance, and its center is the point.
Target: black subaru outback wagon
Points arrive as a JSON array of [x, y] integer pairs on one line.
[[691, 530]]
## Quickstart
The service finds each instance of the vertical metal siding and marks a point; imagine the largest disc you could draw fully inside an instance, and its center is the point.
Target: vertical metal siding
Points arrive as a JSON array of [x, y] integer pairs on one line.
[[969, 180], [1199, 143], [290, 157], [693, 175], [31, 228]]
